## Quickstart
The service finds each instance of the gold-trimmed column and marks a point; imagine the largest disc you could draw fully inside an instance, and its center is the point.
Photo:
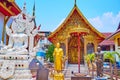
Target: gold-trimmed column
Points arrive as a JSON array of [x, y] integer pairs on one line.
[[85, 46], [96, 45], [66, 47]]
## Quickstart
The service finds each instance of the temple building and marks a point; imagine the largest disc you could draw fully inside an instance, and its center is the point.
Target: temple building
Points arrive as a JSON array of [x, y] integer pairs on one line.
[[42, 36], [8, 8], [116, 38], [76, 25], [107, 45]]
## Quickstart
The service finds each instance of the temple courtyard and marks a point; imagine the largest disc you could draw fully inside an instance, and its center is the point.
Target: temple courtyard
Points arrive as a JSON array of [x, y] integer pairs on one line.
[[75, 50]]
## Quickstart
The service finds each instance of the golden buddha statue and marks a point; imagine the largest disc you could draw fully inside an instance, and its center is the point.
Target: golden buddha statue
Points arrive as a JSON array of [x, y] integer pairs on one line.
[[58, 55], [58, 62]]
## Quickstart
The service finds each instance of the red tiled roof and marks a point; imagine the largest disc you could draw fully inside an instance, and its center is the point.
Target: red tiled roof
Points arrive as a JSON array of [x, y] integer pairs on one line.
[[106, 34], [107, 42]]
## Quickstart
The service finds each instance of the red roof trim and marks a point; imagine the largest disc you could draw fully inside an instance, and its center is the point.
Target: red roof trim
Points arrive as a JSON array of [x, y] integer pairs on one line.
[[9, 12]]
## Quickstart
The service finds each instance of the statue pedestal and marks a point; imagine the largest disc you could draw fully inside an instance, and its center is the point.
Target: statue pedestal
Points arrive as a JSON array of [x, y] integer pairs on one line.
[[101, 78], [58, 76]]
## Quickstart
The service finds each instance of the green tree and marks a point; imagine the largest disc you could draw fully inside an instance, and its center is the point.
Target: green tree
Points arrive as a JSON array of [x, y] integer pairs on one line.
[[49, 53], [89, 59]]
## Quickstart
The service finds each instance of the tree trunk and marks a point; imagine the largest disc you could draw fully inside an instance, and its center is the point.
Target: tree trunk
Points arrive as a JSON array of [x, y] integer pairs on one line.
[[92, 70], [116, 72], [111, 71]]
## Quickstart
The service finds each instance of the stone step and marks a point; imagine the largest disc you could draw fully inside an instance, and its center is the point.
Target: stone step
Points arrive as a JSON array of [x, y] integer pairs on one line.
[[67, 78]]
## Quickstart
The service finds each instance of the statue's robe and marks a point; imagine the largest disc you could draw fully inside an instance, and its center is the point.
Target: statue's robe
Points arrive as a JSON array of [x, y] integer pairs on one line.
[[58, 54]]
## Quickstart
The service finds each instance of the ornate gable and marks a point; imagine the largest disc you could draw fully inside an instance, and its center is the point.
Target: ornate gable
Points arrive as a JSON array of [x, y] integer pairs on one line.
[[74, 19]]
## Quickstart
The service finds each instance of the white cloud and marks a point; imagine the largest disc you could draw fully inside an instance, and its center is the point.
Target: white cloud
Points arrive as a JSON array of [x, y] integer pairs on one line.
[[108, 22], [96, 22]]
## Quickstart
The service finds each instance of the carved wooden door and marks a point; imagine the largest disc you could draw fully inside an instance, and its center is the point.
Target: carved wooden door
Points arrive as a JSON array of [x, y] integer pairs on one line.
[[73, 51]]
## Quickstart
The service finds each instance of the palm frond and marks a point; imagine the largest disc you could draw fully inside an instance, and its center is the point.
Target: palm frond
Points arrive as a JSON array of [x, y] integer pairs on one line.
[[110, 56]]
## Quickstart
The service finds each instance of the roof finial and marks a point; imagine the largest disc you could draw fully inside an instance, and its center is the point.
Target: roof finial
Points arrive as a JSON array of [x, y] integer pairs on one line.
[[34, 13], [75, 3], [34, 9], [24, 8], [118, 26]]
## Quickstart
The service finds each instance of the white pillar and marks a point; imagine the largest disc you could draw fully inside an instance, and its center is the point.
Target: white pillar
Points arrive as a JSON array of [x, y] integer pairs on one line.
[[31, 43], [111, 47]]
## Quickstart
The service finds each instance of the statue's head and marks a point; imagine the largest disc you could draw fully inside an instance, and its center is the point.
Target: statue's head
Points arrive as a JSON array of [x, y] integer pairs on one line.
[[98, 48], [22, 22], [58, 45], [18, 24]]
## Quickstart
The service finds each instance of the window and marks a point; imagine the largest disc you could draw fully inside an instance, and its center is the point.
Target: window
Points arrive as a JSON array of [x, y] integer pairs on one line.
[[90, 48], [105, 48]]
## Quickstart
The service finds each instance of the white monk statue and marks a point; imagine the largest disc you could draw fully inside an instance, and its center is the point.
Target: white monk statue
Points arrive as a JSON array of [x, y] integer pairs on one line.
[[21, 35], [18, 40]]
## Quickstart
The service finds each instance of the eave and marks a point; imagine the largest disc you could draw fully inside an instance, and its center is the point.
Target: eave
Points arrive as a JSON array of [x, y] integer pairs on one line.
[[14, 10]]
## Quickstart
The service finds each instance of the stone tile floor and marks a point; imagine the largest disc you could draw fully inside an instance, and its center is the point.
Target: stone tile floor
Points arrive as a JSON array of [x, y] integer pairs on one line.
[[74, 68]]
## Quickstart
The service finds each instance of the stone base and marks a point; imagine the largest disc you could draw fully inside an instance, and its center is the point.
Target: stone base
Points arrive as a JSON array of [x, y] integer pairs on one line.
[[80, 78], [58, 76], [101, 78]]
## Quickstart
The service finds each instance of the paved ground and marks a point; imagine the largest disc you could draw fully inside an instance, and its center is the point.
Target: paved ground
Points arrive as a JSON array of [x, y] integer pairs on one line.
[[74, 68]]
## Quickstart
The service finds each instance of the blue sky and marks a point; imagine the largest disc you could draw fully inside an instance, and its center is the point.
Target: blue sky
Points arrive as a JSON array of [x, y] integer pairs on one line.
[[104, 15]]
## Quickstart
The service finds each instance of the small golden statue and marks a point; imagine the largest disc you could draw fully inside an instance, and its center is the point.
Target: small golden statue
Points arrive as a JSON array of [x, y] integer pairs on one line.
[[58, 58], [58, 55]]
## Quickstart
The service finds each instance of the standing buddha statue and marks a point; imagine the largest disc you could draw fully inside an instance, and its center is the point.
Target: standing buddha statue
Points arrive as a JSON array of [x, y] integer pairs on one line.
[[58, 59]]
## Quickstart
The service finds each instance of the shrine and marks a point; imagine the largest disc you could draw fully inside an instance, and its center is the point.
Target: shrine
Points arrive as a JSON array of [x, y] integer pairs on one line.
[[17, 55], [76, 36]]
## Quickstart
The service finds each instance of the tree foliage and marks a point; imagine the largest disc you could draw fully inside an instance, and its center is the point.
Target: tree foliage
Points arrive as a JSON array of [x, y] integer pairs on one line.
[[90, 57], [111, 56], [49, 53]]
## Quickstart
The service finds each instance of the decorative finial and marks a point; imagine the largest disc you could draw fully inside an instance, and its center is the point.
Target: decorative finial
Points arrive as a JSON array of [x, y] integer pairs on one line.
[[118, 26], [24, 5], [24, 8], [75, 3], [34, 13], [34, 9]]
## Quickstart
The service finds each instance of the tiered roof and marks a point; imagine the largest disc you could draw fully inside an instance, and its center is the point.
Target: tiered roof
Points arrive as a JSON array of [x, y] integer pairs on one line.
[[9, 8]]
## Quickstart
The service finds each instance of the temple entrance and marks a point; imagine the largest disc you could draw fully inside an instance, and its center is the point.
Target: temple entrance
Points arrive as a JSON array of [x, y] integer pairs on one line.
[[73, 51]]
